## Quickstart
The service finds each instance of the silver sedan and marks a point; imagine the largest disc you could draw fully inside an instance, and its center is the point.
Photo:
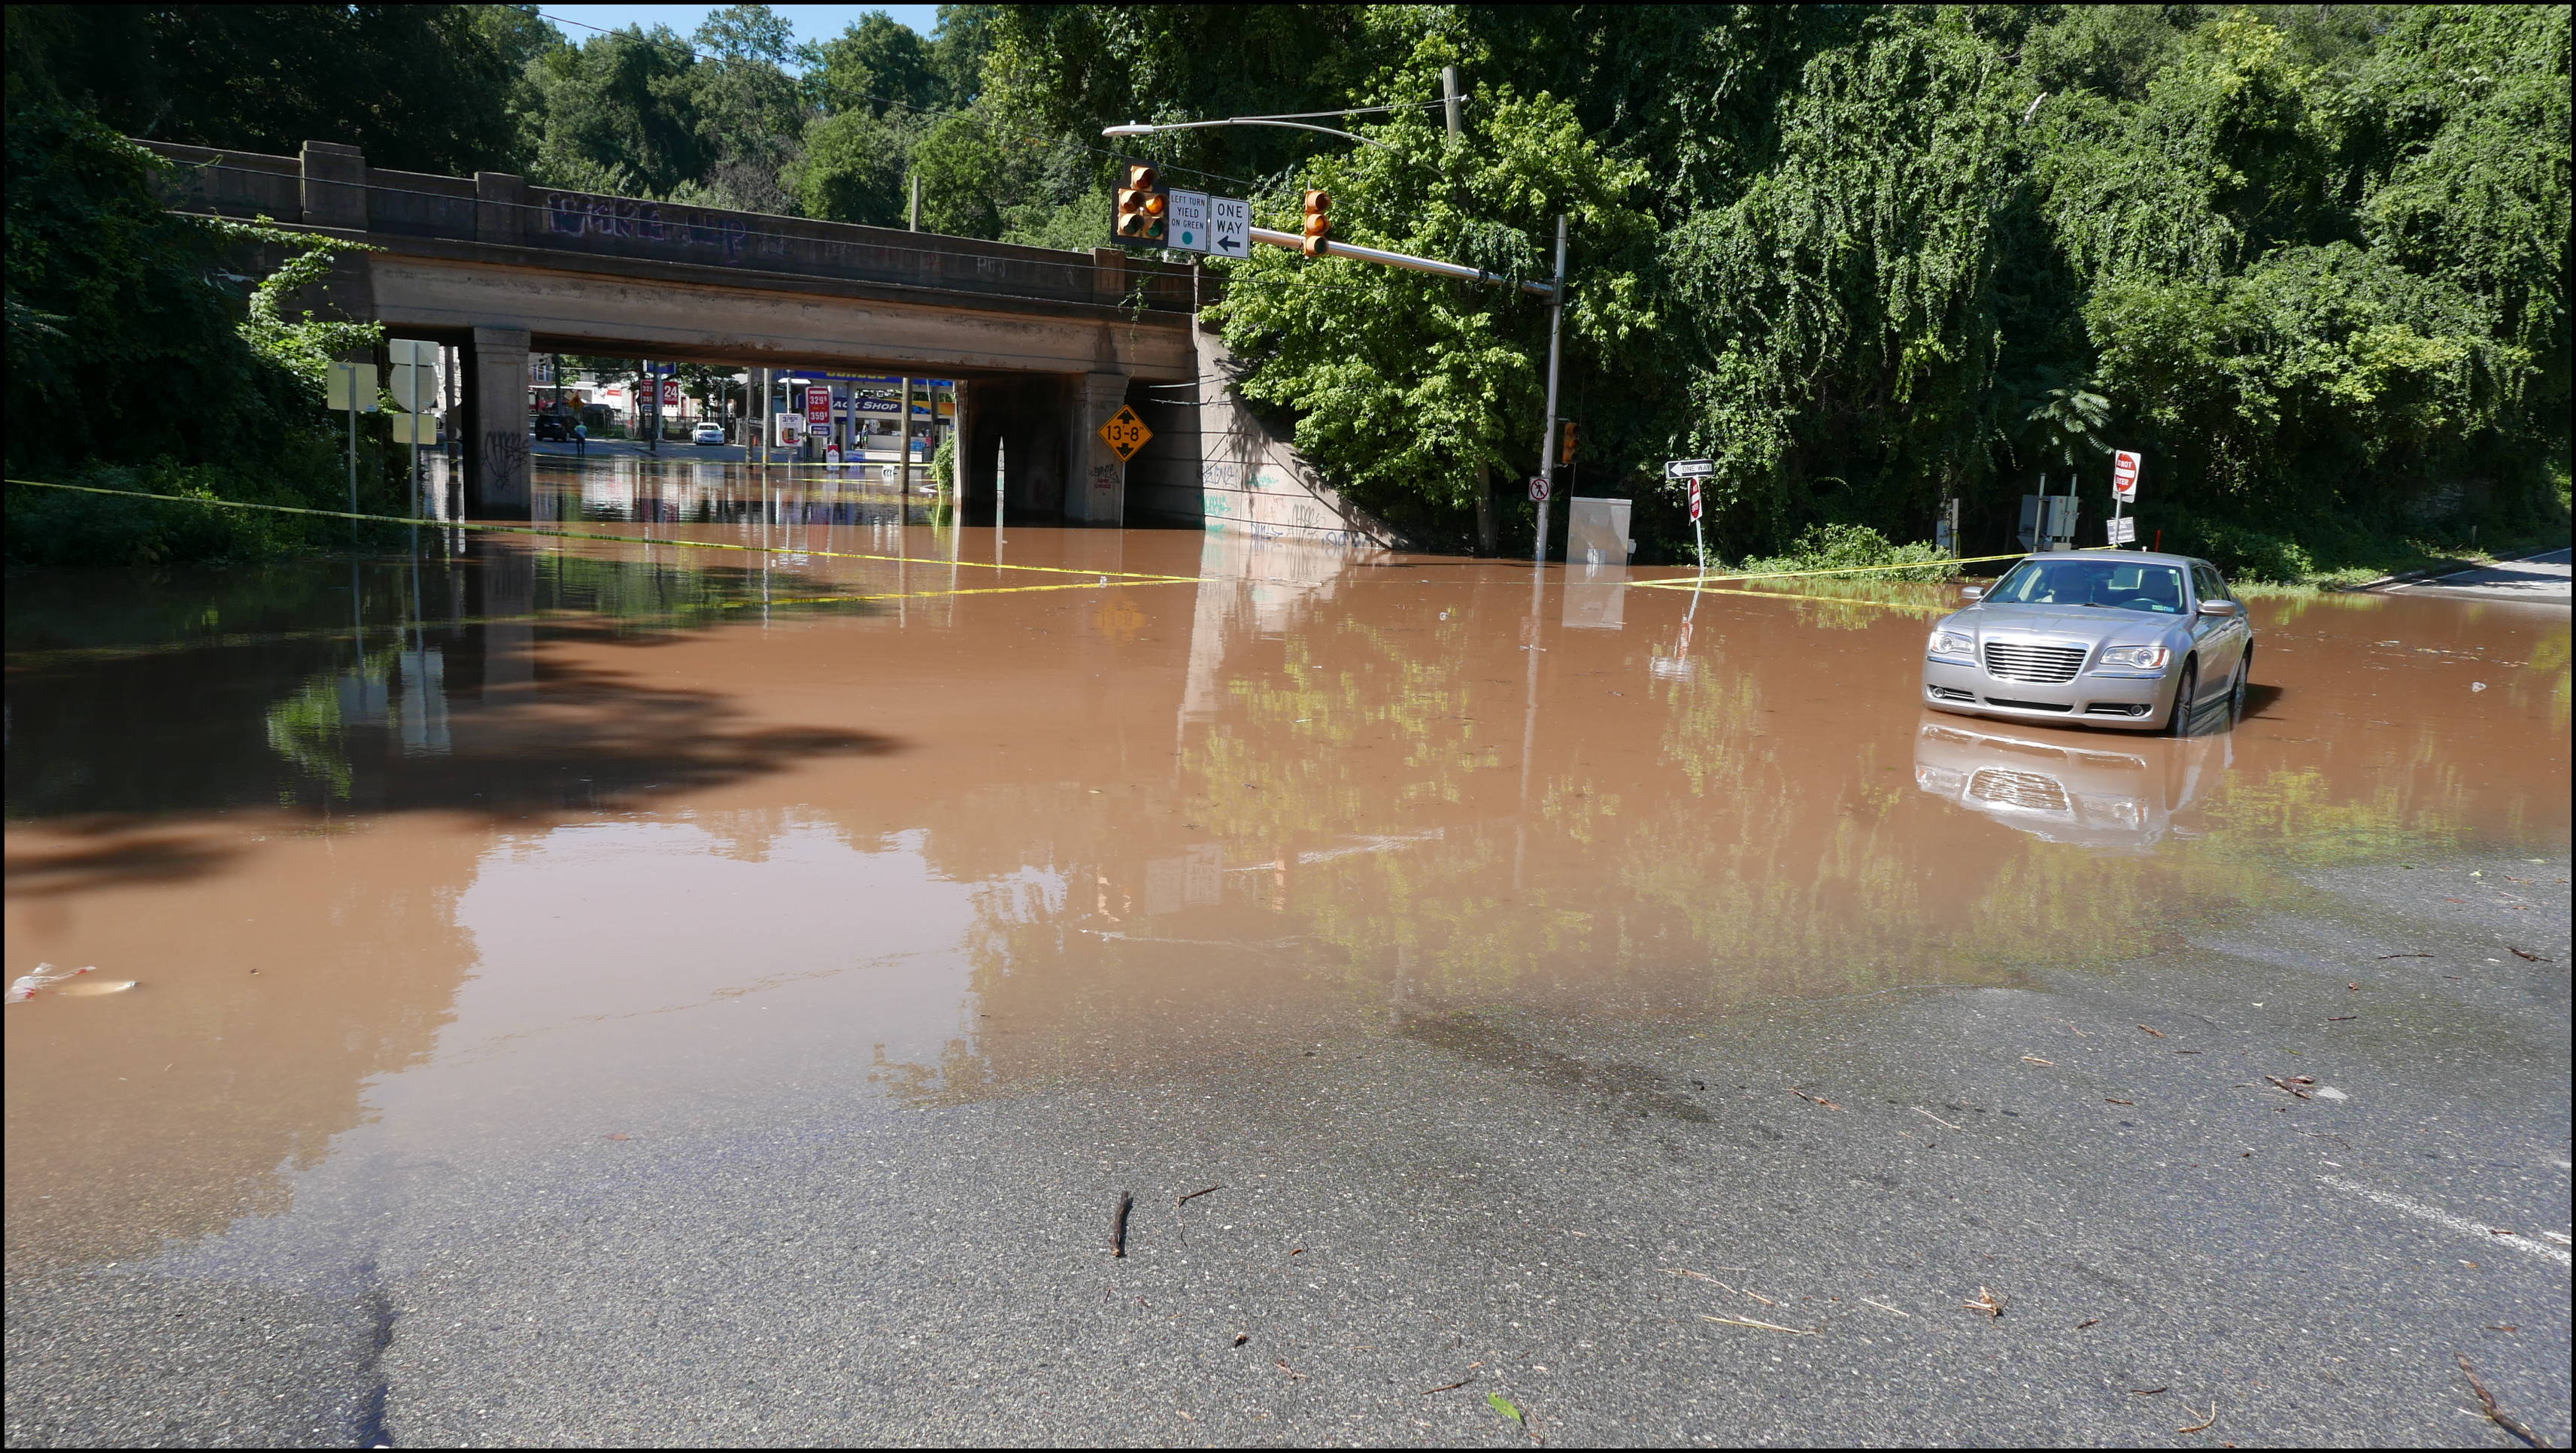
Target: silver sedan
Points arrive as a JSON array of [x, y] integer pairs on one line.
[[2115, 639]]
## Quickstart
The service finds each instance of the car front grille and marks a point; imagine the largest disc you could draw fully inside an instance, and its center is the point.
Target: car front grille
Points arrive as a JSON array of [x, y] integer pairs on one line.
[[2018, 789], [2012, 661]]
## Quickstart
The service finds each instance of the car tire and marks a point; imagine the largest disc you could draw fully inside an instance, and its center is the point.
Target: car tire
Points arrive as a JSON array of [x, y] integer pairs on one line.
[[2178, 722], [2236, 693]]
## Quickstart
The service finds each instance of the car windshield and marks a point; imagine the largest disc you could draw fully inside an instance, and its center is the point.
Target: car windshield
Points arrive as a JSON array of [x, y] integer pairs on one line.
[[2112, 584]]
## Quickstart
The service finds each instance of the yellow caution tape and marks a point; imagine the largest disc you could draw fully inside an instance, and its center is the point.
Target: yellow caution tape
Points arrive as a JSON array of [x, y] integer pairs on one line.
[[554, 534]]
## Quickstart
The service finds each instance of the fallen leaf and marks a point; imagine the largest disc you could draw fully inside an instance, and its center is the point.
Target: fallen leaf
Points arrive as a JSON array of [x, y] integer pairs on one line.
[[1503, 1406]]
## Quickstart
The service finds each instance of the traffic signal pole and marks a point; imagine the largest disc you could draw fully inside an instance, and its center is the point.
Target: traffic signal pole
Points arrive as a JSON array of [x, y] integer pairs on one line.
[[1547, 441], [1405, 260]]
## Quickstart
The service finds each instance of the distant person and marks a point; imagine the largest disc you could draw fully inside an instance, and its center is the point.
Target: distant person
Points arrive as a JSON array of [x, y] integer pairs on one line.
[[580, 441]]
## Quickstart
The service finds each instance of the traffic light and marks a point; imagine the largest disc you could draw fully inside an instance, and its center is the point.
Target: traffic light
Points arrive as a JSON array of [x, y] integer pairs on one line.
[[1319, 225], [1144, 208], [1565, 455]]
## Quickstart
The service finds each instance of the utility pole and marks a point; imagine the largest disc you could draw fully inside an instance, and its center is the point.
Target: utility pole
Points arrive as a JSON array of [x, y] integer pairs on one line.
[[915, 223], [1547, 441], [1449, 96]]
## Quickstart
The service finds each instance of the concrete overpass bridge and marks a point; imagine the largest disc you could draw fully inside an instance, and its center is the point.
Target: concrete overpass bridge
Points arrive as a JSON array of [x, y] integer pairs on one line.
[[1047, 344]]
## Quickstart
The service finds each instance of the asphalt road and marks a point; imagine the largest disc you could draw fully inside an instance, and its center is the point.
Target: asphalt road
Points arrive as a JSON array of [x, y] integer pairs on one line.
[[2539, 579], [1784, 1227]]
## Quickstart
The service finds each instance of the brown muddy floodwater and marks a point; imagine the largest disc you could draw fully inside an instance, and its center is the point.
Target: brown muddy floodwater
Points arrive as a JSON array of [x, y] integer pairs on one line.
[[523, 837]]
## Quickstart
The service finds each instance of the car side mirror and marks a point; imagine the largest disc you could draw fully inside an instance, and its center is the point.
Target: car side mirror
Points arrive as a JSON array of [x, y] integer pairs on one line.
[[1972, 592], [2219, 607]]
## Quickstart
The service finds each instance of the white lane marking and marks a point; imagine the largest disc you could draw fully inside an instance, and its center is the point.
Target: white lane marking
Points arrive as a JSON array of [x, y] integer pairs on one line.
[[2461, 1224]]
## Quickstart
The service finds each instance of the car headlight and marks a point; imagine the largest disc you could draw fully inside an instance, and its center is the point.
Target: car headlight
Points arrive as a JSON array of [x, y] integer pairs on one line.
[[1952, 643], [2144, 658]]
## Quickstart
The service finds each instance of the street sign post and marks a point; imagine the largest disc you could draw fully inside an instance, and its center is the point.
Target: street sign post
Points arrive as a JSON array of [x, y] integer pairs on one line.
[[1189, 221], [1694, 470], [414, 386], [1229, 225], [1538, 489], [2125, 468], [351, 386]]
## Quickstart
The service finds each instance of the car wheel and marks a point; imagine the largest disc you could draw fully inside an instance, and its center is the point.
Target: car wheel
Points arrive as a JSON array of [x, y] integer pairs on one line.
[[2236, 693], [2179, 722]]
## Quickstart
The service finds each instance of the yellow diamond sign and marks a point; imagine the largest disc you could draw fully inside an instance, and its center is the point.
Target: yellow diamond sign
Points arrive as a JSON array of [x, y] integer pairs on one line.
[[1125, 433]]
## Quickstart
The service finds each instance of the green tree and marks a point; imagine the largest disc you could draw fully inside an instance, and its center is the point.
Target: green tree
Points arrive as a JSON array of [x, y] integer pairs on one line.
[[876, 64], [1413, 392], [617, 113], [418, 87]]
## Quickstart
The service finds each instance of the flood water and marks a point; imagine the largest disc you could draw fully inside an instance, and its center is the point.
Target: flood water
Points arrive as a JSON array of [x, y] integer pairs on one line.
[[526, 840]]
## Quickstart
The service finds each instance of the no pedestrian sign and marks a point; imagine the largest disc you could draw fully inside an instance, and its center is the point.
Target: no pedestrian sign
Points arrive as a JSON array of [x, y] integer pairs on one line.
[[2124, 475], [1538, 490], [1125, 433]]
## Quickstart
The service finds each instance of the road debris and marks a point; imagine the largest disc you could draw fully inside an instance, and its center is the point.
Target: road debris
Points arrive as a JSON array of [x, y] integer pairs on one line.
[[1242, 1337], [2496, 1415], [1765, 1326], [1813, 1099], [1447, 1386], [2090, 1322], [2203, 1425], [2107, 1100], [44, 977], [1284, 1367], [2158, 1033], [2528, 954], [1935, 1119], [2283, 1084], [1986, 1302], [1118, 1224], [2032, 1059], [2148, 1392], [1194, 1195]]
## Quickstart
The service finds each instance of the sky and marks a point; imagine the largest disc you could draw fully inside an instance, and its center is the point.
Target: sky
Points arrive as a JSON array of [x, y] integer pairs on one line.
[[812, 22]]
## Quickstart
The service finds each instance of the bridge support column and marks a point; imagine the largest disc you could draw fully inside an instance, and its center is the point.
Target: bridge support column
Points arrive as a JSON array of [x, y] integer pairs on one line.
[[497, 483], [1096, 493]]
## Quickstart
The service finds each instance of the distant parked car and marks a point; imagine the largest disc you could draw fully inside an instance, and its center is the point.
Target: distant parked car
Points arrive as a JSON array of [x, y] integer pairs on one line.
[[707, 434], [2112, 639], [552, 427]]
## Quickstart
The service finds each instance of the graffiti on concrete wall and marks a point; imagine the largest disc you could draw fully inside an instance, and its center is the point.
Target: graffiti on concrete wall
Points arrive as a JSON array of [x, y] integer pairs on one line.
[[505, 463], [572, 215]]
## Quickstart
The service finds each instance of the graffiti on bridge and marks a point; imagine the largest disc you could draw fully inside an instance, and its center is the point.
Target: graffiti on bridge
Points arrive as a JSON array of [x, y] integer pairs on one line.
[[570, 214]]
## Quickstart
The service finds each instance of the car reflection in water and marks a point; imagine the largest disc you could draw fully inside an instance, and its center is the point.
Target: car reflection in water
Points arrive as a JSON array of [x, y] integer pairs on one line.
[[2063, 790]]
